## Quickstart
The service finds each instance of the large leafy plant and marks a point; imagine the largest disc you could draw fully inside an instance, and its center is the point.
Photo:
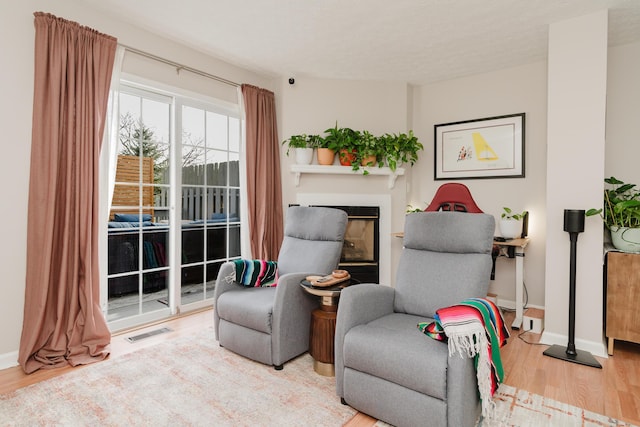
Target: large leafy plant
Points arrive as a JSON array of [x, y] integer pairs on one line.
[[621, 205]]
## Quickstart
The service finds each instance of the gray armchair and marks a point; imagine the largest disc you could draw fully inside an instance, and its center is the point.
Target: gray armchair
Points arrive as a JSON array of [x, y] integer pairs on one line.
[[385, 366], [271, 324]]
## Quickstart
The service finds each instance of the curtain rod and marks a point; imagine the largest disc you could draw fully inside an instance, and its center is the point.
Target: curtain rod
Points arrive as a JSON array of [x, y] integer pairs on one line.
[[178, 66]]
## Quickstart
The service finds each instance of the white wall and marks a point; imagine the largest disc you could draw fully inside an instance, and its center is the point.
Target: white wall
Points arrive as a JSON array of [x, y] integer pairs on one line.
[[623, 111], [313, 105], [16, 84], [575, 169], [509, 91]]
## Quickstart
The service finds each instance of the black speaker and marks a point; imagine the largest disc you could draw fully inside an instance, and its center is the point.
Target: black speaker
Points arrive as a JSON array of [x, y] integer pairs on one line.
[[525, 225], [573, 220]]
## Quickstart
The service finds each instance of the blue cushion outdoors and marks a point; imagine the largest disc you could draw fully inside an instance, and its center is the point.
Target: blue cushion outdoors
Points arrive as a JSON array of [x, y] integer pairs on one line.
[[120, 217]]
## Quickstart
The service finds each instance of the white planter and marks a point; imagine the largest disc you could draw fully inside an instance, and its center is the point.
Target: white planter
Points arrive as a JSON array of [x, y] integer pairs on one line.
[[304, 156], [626, 239], [510, 228]]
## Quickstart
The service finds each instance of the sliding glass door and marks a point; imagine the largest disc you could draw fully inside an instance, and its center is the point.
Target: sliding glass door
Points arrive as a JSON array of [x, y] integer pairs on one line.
[[210, 198], [174, 217]]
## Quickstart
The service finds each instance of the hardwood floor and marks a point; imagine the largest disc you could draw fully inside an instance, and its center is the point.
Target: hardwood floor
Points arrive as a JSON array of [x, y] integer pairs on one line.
[[613, 390]]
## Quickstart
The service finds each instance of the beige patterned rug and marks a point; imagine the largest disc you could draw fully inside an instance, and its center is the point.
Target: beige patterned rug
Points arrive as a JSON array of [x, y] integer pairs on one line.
[[519, 408], [188, 381]]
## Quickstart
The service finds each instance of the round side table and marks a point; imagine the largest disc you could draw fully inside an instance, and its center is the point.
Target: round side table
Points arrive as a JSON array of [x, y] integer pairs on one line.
[[323, 326]]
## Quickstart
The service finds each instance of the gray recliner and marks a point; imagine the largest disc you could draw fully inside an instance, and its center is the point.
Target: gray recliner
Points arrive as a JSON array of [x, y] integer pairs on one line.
[[385, 366], [271, 324]]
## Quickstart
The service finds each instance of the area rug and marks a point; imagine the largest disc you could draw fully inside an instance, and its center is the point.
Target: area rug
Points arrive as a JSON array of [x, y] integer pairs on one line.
[[515, 407], [186, 381], [519, 408]]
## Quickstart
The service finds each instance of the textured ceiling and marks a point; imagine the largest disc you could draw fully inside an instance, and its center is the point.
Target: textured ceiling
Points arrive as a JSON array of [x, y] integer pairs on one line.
[[415, 41]]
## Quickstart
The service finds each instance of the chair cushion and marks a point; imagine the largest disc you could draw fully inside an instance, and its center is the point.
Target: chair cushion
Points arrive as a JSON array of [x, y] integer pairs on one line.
[[312, 241], [392, 347], [249, 307], [438, 267]]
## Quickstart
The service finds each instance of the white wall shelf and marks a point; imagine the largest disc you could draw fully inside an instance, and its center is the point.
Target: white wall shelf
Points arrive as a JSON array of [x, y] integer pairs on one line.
[[298, 170]]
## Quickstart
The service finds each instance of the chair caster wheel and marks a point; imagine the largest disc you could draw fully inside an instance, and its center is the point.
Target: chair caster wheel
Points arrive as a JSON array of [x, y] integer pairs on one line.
[[278, 367]]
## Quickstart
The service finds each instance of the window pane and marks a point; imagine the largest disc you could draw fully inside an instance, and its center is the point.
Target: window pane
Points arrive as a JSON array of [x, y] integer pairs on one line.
[[216, 201], [234, 169], [193, 165], [216, 131], [217, 167], [233, 206], [193, 203], [155, 116], [193, 126], [234, 134]]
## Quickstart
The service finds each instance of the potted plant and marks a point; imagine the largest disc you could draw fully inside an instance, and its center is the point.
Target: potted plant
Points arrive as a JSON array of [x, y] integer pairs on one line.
[[368, 151], [511, 223], [621, 214], [344, 142], [304, 145], [401, 148]]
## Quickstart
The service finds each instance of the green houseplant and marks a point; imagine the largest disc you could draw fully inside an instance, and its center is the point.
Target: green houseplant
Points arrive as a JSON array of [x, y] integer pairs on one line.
[[368, 152], [343, 141], [621, 214], [304, 145], [401, 148]]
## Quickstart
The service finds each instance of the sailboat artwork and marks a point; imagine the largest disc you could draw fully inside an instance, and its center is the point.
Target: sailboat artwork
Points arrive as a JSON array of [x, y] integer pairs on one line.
[[491, 147], [484, 150]]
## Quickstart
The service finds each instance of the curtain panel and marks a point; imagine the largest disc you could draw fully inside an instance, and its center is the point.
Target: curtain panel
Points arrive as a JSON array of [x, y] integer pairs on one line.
[[63, 323], [264, 188]]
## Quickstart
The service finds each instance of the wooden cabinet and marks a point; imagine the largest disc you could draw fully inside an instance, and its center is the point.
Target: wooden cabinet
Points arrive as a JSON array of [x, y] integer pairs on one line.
[[623, 298]]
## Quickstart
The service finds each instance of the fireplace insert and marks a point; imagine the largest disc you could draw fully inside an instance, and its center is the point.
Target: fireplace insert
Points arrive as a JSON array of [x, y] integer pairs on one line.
[[361, 249]]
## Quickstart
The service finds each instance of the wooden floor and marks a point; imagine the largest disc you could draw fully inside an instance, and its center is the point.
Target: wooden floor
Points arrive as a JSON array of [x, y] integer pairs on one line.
[[613, 390]]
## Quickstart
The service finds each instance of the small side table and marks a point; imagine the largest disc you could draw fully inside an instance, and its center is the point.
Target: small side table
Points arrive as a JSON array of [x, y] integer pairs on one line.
[[323, 326]]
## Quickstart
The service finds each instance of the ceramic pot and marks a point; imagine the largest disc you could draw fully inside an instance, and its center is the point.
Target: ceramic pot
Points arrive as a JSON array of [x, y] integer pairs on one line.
[[325, 156], [346, 157], [510, 228], [368, 161], [304, 156], [626, 239]]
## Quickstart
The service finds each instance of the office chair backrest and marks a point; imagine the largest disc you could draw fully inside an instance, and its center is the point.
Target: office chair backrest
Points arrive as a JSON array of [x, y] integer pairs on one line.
[[453, 197]]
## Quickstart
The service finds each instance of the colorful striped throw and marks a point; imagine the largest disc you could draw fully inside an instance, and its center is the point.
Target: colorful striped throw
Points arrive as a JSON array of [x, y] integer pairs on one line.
[[474, 328], [256, 273]]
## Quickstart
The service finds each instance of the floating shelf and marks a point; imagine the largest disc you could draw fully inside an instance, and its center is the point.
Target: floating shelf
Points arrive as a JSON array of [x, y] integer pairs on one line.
[[298, 170]]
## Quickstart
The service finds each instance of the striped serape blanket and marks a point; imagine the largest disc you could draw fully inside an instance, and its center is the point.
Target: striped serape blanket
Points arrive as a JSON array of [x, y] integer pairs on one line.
[[474, 328], [256, 273]]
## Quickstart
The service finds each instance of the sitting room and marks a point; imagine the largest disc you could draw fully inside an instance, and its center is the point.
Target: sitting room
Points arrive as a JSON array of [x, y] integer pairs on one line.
[[533, 109]]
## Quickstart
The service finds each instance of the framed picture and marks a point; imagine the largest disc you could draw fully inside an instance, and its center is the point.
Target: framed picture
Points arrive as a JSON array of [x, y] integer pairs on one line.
[[482, 148]]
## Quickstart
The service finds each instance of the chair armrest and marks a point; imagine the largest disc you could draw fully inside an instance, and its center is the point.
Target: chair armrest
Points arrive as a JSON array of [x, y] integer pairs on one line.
[[291, 318], [359, 304], [222, 285]]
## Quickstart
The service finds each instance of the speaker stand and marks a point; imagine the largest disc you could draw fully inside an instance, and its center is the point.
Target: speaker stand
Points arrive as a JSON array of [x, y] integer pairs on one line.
[[577, 356], [573, 224]]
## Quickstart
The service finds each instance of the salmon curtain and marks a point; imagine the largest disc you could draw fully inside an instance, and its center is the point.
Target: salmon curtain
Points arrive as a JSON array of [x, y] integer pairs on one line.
[[264, 188], [63, 323]]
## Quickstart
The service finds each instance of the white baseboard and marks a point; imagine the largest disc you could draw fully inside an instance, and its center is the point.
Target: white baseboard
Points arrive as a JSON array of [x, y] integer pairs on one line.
[[511, 305], [595, 348], [8, 360]]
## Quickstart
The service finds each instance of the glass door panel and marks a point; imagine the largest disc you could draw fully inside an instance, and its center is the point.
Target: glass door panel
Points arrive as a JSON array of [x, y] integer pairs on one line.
[[138, 231]]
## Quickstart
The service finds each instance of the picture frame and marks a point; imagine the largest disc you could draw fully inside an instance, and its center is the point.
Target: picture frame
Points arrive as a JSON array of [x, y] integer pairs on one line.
[[491, 147]]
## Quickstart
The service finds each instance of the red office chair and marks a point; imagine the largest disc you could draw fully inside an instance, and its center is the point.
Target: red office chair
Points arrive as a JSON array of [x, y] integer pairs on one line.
[[455, 197]]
